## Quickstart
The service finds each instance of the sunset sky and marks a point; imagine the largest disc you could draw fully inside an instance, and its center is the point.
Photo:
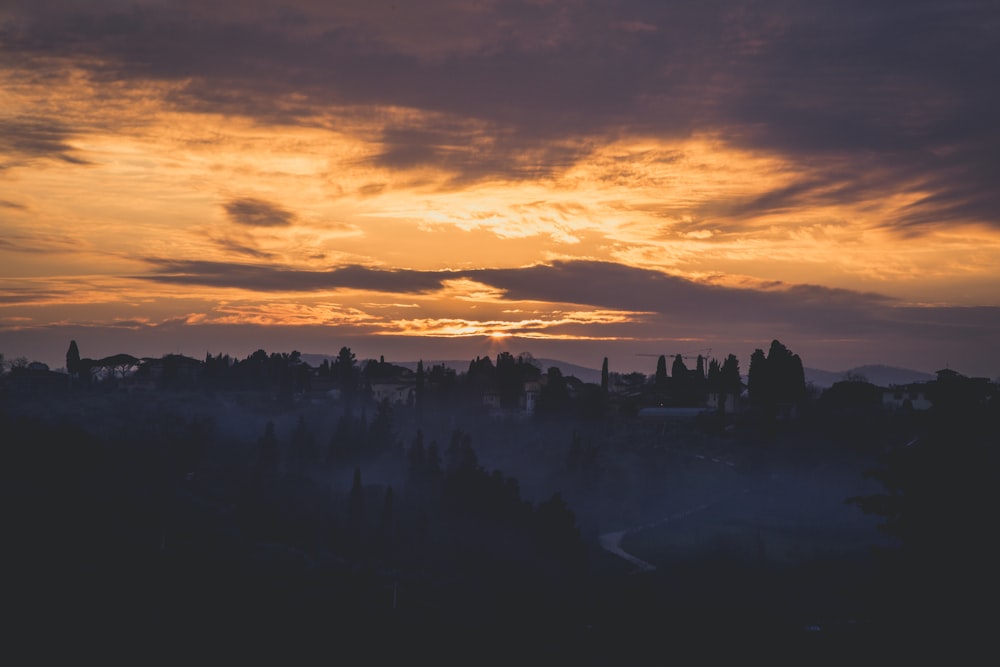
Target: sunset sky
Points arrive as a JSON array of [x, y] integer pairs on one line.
[[446, 179]]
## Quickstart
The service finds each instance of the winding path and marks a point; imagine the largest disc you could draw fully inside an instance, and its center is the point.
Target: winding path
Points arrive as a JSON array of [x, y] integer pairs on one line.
[[612, 542]]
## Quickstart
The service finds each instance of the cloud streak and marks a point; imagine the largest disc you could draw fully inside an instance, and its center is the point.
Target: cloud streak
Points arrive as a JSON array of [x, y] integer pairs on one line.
[[661, 169], [28, 139], [887, 85], [269, 278], [639, 297], [253, 212]]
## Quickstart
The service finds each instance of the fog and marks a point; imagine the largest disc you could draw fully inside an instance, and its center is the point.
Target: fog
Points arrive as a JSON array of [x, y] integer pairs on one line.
[[218, 511]]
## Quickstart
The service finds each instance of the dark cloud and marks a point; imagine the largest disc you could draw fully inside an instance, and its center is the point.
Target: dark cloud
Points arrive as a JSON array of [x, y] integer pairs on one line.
[[38, 243], [10, 204], [675, 314], [586, 284], [29, 295], [817, 319], [952, 323], [257, 213], [905, 91], [270, 278], [674, 299], [474, 154], [23, 138]]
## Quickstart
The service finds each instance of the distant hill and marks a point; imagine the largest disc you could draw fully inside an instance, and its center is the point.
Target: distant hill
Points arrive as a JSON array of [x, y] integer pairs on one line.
[[592, 375], [822, 379], [882, 376], [462, 365]]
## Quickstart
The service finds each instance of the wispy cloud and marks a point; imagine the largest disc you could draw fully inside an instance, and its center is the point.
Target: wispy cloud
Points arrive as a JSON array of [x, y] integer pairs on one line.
[[235, 247], [27, 139], [257, 213], [270, 278], [816, 167]]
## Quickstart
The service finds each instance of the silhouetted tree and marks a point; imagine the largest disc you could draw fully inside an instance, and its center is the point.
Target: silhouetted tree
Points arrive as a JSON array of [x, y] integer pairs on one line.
[[73, 358], [728, 381], [356, 505], [303, 447], [604, 376], [553, 399], [575, 456], [341, 440], [346, 371], [679, 369], [416, 456], [732, 383], [714, 372], [853, 398], [777, 379], [758, 378], [511, 374], [119, 365], [787, 372], [387, 512], [939, 501], [381, 436], [269, 455], [661, 372]]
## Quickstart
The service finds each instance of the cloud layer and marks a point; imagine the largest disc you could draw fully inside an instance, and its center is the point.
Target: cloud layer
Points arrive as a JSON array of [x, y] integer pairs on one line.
[[257, 213], [628, 170]]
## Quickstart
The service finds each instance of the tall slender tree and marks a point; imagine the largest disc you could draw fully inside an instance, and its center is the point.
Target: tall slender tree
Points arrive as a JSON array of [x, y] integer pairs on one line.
[[679, 369], [73, 358], [758, 379], [661, 372]]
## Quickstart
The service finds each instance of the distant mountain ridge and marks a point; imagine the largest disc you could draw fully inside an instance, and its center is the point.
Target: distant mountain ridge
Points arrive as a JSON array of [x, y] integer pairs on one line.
[[877, 374]]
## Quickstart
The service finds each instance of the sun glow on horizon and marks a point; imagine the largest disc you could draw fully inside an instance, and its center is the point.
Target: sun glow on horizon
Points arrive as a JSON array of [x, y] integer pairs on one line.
[[277, 189]]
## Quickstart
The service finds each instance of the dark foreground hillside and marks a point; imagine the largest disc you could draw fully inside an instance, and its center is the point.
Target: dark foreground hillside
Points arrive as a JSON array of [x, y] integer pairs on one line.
[[138, 530]]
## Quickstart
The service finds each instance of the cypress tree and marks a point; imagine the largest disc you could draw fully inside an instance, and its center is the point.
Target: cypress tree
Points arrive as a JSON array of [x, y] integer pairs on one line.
[[73, 358]]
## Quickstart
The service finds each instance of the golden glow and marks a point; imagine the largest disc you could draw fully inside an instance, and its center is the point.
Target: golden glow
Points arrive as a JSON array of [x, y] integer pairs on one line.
[[140, 178]]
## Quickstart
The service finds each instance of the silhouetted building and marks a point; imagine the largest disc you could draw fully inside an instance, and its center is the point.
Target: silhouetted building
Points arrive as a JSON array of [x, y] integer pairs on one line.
[[397, 392]]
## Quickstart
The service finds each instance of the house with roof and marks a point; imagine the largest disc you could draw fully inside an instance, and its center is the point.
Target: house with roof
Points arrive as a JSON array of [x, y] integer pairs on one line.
[[395, 392]]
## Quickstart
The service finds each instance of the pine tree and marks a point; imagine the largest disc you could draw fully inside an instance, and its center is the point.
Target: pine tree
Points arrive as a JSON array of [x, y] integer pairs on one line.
[[356, 504]]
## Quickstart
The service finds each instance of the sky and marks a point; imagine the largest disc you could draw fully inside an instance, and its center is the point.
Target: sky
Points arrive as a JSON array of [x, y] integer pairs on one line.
[[447, 179]]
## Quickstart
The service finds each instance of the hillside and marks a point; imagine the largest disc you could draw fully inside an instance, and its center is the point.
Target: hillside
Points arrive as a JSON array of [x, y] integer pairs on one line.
[[882, 376]]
